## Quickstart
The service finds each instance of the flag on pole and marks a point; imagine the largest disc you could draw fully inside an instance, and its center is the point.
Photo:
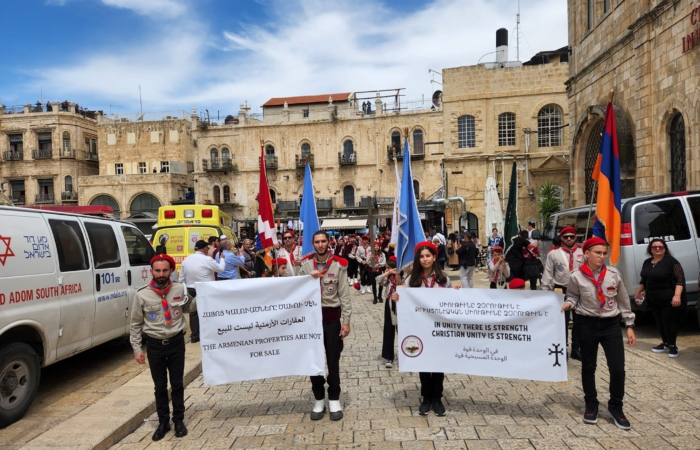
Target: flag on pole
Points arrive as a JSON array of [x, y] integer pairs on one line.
[[510, 225], [267, 235], [308, 215], [409, 227], [395, 216], [607, 173]]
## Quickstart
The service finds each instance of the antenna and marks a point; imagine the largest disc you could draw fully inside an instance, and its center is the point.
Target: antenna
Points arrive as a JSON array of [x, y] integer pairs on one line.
[[141, 103], [517, 34]]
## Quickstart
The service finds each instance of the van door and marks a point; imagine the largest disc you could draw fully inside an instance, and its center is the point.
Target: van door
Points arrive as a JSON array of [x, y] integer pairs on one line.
[[75, 285], [111, 296], [139, 253], [694, 207]]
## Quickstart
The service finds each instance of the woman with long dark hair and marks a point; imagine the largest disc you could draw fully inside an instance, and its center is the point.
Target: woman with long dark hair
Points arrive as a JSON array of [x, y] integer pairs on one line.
[[664, 283], [426, 273]]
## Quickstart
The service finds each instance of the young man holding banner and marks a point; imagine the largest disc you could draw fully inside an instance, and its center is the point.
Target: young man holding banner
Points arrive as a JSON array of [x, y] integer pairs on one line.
[[336, 310]]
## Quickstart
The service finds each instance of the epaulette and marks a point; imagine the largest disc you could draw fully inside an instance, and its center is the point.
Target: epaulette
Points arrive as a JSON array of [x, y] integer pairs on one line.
[[342, 262], [142, 287], [613, 269], [307, 257]]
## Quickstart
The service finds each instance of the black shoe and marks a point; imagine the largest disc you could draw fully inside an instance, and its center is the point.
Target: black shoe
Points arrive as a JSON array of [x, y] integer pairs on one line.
[[591, 414], [576, 354], [336, 415], [194, 340], [424, 407], [317, 415], [661, 348], [375, 301], [163, 428], [180, 429], [438, 408], [620, 419], [672, 351]]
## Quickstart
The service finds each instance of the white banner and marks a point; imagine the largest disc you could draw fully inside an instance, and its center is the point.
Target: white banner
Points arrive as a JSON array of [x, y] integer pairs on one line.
[[487, 332], [260, 328]]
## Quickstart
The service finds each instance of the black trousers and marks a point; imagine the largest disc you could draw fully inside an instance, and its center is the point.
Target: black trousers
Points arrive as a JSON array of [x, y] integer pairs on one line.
[[431, 384], [372, 281], [194, 318], [364, 275], [167, 360], [388, 338], [334, 347], [604, 332], [352, 268], [575, 330], [666, 317]]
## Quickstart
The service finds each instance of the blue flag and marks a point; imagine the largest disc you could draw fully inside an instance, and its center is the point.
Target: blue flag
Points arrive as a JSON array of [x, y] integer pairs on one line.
[[409, 227], [308, 215]]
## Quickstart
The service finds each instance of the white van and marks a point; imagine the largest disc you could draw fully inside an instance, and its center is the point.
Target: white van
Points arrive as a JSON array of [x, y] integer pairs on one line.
[[673, 217], [66, 284]]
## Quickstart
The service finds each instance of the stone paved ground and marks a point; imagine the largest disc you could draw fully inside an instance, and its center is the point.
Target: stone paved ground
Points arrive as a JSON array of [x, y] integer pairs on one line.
[[380, 407]]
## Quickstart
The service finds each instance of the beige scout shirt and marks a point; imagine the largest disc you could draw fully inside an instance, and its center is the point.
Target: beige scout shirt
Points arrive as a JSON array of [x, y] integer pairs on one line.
[[334, 285], [581, 295], [502, 269], [446, 285], [556, 270], [147, 314]]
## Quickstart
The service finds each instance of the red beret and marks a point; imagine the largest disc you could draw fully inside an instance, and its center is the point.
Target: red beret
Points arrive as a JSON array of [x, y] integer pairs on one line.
[[497, 248], [164, 257], [279, 262], [567, 230], [516, 283], [392, 258], [365, 237], [289, 232], [426, 244], [593, 242]]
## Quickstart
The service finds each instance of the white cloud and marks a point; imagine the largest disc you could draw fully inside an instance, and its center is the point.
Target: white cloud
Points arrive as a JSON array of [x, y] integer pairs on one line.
[[162, 8]]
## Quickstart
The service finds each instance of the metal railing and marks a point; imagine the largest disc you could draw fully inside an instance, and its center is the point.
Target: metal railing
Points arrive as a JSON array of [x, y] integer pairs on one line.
[[42, 154], [271, 162], [347, 159], [303, 159], [324, 203], [292, 205], [18, 201], [43, 199], [67, 154], [418, 153], [69, 196], [90, 156], [219, 165], [13, 156]]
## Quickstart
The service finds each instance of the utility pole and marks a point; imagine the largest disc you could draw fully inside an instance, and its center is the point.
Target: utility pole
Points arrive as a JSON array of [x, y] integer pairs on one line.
[[517, 34], [370, 224]]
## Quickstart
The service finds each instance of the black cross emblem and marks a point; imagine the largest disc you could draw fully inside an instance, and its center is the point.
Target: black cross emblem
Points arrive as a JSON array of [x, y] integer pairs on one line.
[[556, 352]]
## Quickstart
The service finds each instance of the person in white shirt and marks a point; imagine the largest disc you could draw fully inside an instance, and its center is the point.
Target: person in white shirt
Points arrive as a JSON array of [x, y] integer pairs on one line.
[[198, 267], [290, 252]]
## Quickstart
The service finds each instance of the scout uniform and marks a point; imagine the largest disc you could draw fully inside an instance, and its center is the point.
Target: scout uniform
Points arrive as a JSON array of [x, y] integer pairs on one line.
[[363, 254], [498, 272], [291, 256]]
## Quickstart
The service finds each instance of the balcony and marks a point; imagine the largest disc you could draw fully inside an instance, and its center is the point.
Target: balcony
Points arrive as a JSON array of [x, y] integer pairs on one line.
[[42, 154], [303, 159], [271, 162], [13, 156], [287, 206], [322, 204], [67, 154], [90, 156], [393, 150], [18, 201], [69, 196], [347, 159], [219, 165], [44, 199]]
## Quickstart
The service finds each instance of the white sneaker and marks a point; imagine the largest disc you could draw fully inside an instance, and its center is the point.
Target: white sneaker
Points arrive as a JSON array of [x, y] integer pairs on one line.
[[362, 290]]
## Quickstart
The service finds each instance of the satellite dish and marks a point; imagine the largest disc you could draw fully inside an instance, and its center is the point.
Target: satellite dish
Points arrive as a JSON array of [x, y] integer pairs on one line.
[[437, 99]]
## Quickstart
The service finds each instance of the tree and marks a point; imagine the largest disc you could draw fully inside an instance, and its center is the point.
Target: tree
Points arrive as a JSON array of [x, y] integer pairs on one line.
[[550, 201]]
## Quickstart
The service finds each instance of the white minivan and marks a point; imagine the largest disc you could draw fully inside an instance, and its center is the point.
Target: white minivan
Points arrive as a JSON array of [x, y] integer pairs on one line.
[[66, 284]]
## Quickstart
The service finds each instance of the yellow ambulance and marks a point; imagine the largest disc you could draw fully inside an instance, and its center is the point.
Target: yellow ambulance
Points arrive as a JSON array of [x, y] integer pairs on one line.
[[181, 226]]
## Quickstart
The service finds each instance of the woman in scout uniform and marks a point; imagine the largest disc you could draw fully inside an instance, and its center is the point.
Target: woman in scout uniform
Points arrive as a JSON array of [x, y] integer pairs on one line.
[[375, 267], [363, 254], [498, 267], [426, 273], [596, 293], [389, 279]]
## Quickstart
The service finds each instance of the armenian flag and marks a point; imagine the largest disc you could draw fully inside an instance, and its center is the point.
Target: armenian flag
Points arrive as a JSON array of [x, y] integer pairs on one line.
[[607, 173], [267, 233]]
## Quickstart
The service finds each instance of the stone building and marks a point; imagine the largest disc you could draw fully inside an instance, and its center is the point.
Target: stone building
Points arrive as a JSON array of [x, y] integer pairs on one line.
[[646, 53], [45, 152]]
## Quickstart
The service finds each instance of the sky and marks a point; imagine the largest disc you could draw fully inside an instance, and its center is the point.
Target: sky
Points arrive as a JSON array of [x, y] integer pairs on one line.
[[218, 54]]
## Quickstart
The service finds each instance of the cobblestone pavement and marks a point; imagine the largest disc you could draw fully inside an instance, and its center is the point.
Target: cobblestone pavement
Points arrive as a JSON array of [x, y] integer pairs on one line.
[[380, 406]]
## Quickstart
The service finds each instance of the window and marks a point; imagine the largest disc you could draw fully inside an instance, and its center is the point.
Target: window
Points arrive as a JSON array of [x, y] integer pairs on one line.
[[17, 191], [104, 246], [45, 191], [606, 6], [70, 245], [416, 189], [466, 135], [348, 150], [139, 249], [106, 200], [225, 155], [677, 136], [305, 150], [87, 144], [418, 148], [217, 195], [16, 144], [549, 127], [119, 168], [165, 167], [66, 141], [664, 219], [396, 140], [69, 183], [506, 129], [349, 196], [143, 168], [305, 113], [93, 145], [145, 203], [591, 155], [589, 15], [694, 203], [45, 143], [227, 194], [273, 196], [269, 150], [548, 233]]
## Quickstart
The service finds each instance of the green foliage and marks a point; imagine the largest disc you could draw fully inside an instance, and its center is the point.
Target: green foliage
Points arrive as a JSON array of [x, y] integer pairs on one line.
[[203, 126], [550, 201]]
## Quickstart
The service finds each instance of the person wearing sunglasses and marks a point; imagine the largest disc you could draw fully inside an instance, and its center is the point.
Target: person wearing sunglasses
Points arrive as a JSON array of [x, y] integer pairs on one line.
[[557, 271], [663, 284], [291, 252], [598, 296]]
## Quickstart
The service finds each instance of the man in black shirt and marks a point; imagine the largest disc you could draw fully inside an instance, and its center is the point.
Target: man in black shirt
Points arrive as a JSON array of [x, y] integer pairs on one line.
[[467, 253], [514, 256]]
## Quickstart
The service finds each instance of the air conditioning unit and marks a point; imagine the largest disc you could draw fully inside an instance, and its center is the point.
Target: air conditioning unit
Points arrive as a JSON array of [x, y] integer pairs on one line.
[[170, 118]]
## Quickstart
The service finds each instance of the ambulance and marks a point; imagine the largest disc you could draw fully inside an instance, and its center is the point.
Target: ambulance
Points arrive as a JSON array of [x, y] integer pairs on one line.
[[181, 226], [66, 284]]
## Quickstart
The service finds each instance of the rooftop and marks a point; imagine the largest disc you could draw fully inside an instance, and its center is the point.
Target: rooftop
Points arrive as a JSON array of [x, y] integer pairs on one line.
[[308, 99]]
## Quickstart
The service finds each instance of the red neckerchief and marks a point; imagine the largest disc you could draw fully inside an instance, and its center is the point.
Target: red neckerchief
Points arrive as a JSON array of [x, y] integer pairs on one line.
[[291, 254], [166, 307], [433, 279], [571, 255], [588, 273], [497, 275]]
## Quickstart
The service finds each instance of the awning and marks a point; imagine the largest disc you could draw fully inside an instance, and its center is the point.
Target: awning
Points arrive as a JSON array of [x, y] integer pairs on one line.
[[344, 224]]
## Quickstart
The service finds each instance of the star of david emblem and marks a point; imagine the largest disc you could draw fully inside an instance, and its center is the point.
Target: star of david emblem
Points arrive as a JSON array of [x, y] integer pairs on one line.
[[7, 250]]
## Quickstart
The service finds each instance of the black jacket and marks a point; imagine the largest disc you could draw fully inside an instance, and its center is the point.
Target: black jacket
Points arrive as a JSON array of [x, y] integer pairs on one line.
[[467, 254]]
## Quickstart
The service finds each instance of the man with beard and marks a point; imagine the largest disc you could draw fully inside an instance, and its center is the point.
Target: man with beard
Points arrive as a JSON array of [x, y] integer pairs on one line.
[[158, 312], [336, 310], [291, 253]]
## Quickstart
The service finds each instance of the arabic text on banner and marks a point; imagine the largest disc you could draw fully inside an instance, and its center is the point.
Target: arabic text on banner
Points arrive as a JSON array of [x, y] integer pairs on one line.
[[260, 328], [487, 332]]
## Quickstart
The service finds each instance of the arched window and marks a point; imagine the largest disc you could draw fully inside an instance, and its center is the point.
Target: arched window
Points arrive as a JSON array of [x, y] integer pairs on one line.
[[416, 189], [592, 147], [66, 141], [349, 196], [144, 203], [506, 129], [269, 150], [225, 155], [217, 195], [677, 136], [106, 200], [549, 126], [348, 150], [69, 183], [273, 196], [305, 149], [396, 140], [227, 194], [418, 147], [466, 134], [214, 156]]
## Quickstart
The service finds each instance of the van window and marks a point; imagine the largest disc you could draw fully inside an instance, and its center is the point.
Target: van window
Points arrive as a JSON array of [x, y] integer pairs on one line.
[[139, 250], [548, 233], [565, 220], [105, 249], [70, 245], [694, 203], [664, 219]]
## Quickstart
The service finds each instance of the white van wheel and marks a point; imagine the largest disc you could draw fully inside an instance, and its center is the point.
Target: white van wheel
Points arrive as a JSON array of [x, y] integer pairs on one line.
[[19, 381]]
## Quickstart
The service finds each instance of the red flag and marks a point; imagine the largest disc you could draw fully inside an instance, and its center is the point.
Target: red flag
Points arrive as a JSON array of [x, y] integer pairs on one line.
[[266, 220]]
